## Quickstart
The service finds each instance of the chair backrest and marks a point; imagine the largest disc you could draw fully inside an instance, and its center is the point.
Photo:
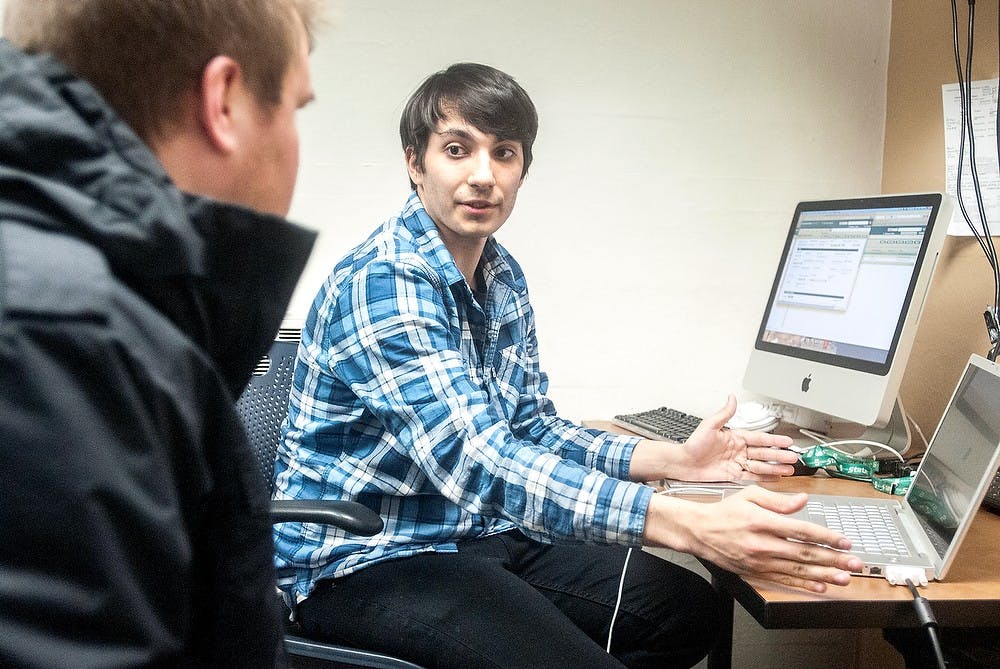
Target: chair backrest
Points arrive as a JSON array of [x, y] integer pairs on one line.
[[263, 407], [264, 402]]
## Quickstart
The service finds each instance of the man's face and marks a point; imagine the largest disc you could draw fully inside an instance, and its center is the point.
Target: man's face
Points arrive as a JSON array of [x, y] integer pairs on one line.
[[272, 163], [468, 182]]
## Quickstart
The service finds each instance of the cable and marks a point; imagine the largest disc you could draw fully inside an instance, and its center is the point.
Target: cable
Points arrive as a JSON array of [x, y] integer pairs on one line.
[[906, 426], [845, 442], [618, 602], [916, 426], [927, 621], [963, 129], [973, 166], [862, 442], [967, 130], [985, 238], [815, 436]]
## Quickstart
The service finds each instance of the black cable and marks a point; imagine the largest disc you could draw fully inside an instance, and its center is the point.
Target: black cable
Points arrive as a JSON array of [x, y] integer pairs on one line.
[[985, 238], [992, 325], [990, 316], [927, 621], [974, 166], [963, 106]]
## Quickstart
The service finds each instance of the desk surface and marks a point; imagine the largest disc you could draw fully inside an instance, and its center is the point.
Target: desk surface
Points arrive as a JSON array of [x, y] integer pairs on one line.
[[969, 595]]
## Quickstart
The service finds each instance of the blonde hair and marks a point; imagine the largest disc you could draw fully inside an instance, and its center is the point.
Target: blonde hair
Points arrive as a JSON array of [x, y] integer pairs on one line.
[[143, 56]]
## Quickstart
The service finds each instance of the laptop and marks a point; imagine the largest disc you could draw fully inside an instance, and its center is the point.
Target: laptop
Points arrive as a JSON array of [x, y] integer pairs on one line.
[[925, 529]]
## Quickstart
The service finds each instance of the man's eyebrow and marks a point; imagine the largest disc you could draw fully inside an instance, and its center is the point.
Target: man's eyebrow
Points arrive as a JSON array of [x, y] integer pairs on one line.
[[454, 132], [461, 133]]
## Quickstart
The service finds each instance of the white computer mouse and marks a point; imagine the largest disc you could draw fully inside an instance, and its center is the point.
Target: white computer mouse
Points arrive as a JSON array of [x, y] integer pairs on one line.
[[752, 415]]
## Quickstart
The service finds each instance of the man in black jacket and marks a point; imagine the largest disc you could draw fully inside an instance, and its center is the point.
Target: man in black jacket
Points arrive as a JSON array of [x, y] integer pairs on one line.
[[148, 153]]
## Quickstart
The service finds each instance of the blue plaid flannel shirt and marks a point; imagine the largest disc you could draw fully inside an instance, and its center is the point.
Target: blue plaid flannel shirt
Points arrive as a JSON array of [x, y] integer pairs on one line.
[[415, 401]]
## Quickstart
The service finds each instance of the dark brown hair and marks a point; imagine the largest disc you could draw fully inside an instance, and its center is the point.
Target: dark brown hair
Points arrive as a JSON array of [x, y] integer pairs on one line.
[[482, 95]]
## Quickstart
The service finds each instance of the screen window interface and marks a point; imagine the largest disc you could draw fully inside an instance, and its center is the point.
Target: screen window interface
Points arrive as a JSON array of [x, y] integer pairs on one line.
[[845, 281]]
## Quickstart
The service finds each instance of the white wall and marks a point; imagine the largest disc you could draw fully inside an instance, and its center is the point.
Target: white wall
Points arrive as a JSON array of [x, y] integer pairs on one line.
[[675, 139]]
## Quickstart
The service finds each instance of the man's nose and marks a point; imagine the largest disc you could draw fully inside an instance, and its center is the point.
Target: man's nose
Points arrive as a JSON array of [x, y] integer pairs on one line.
[[482, 172]]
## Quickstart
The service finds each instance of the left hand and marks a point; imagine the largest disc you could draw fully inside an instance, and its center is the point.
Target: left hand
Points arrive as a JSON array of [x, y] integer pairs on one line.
[[714, 453]]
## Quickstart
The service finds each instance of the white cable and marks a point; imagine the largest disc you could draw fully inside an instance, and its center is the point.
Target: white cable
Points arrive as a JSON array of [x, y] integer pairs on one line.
[[862, 442], [916, 426], [844, 442], [812, 435], [906, 425], [618, 602]]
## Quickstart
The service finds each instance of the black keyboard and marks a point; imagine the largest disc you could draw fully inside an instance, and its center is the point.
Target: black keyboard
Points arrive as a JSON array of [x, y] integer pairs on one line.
[[662, 423], [992, 499]]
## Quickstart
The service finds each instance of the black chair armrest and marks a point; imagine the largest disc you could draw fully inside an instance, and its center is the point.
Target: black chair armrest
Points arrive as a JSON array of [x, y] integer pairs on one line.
[[351, 516]]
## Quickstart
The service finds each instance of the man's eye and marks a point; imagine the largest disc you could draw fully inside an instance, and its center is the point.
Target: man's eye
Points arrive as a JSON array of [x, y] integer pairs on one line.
[[506, 153], [454, 150]]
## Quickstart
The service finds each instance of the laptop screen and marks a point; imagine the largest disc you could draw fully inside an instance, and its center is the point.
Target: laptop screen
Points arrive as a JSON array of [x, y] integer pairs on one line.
[[949, 484]]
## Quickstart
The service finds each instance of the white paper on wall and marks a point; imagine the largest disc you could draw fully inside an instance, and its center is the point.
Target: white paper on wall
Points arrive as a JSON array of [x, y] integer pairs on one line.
[[984, 107]]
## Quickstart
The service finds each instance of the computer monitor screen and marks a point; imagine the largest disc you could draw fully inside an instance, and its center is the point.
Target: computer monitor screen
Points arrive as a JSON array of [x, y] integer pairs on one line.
[[845, 301]]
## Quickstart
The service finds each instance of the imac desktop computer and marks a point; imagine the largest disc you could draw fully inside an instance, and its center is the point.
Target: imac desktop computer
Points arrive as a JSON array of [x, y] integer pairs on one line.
[[843, 309]]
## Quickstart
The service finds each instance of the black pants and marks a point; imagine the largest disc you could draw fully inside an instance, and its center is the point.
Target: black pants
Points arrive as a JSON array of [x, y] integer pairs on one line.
[[508, 601]]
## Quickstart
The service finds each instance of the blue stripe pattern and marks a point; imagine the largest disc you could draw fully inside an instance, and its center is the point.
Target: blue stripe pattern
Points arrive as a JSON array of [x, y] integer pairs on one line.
[[411, 398]]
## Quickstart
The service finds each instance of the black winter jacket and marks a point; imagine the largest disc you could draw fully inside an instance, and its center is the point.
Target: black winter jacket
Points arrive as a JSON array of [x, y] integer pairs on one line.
[[133, 526]]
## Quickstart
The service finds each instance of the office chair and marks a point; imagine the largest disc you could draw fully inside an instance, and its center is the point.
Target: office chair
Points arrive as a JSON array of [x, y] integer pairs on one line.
[[262, 407]]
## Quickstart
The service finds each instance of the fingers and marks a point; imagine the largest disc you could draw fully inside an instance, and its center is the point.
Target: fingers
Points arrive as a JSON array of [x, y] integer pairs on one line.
[[758, 470], [811, 533], [765, 439], [750, 534], [799, 530], [718, 419], [813, 585], [802, 565], [799, 565], [779, 455], [768, 463], [778, 502], [763, 464], [797, 553]]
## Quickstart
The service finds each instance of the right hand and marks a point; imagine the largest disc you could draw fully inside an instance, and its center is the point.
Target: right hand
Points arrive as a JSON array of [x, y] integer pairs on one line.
[[750, 534]]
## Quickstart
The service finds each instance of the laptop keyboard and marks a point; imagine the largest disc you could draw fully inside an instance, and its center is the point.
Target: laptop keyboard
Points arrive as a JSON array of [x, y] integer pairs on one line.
[[870, 528]]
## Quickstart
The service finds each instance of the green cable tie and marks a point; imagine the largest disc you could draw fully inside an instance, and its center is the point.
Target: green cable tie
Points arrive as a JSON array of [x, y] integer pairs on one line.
[[845, 465]]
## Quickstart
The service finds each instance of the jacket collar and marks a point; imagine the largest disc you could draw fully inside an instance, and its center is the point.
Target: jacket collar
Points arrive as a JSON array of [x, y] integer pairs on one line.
[[68, 164]]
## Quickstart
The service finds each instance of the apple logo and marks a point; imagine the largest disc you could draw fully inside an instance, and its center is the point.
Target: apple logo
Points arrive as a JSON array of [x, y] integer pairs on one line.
[[805, 383]]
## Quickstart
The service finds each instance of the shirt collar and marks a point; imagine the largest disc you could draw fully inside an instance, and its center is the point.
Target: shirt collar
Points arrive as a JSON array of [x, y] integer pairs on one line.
[[416, 219]]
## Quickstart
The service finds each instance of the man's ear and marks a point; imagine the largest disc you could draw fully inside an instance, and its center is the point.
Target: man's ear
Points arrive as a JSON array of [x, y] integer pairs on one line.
[[416, 174], [218, 113]]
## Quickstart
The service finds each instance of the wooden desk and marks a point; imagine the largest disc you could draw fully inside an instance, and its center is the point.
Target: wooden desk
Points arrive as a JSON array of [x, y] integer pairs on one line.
[[969, 596]]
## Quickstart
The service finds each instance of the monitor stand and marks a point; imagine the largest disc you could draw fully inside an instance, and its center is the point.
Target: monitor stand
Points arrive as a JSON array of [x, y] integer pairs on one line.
[[895, 434]]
